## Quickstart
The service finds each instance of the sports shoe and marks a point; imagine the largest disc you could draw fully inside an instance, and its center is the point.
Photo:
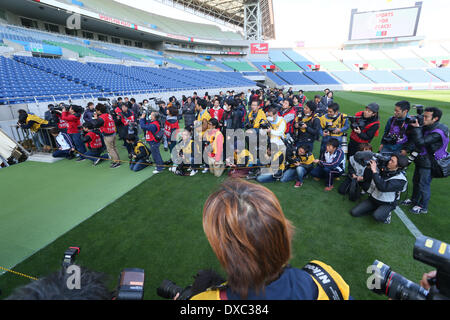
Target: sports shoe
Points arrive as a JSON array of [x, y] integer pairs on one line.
[[407, 202], [298, 184], [418, 210], [388, 219], [96, 162], [79, 159], [193, 173], [156, 171], [329, 188], [115, 165], [205, 170]]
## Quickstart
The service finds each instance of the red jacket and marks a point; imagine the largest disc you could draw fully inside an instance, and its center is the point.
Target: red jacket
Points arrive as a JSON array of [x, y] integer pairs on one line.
[[72, 121]]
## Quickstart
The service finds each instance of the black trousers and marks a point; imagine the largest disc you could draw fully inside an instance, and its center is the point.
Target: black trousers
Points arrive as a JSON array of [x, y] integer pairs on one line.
[[379, 210]]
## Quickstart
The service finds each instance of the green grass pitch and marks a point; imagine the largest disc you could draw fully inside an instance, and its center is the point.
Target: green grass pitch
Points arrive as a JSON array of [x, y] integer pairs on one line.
[[155, 222]]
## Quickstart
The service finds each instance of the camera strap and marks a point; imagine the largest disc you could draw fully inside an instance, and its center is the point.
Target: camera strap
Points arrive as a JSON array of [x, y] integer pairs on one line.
[[325, 280]]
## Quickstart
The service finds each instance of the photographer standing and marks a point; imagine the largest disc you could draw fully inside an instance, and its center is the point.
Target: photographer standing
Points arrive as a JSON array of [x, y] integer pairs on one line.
[[395, 132], [364, 129], [152, 129], [430, 141], [334, 125], [105, 122], [73, 116], [384, 191], [189, 113], [288, 113], [277, 127], [307, 126]]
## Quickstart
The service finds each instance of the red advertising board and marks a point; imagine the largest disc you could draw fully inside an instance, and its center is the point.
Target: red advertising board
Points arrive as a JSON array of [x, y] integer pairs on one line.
[[259, 48]]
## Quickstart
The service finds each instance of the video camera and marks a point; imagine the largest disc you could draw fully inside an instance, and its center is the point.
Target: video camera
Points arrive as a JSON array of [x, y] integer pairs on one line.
[[131, 280], [364, 158], [429, 251], [291, 150], [419, 117]]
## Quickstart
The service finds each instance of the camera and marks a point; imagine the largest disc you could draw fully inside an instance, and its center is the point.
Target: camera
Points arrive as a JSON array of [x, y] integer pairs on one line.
[[169, 290], [69, 256], [264, 124], [329, 128], [419, 117], [364, 158], [429, 251], [356, 122], [291, 151], [391, 139]]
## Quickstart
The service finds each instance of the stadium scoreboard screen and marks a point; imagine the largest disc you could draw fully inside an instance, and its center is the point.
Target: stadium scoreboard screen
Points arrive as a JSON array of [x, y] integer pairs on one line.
[[393, 23]]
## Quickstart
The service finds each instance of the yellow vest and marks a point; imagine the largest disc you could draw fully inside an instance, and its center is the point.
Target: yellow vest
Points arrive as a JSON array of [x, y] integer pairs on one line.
[[241, 157], [137, 150], [214, 294], [213, 140], [205, 116], [335, 123], [35, 127], [259, 116]]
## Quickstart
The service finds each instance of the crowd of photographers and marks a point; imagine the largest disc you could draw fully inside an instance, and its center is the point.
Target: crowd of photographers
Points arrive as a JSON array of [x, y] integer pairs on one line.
[[291, 125]]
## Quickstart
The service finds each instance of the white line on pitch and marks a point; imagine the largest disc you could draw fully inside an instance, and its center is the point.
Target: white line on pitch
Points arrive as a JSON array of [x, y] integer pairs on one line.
[[408, 223]]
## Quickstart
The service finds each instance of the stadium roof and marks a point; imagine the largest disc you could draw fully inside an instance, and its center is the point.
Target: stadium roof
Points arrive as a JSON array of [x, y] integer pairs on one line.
[[228, 11]]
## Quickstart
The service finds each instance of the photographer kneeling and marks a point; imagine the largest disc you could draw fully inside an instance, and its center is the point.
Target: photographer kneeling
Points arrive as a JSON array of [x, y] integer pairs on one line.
[[385, 189], [255, 252]]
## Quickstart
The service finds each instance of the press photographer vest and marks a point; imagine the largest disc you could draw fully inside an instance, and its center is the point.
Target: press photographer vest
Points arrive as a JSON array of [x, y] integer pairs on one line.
[[398, 130], [138, 146], [359, 169], [169, 127], [149, 135], [35, 127], [255, 120], [442, 151], [354, 136], [330, 285], [109, 126], [338, 123], [388, 197], [96, 140], [212, 138], [290, 114]]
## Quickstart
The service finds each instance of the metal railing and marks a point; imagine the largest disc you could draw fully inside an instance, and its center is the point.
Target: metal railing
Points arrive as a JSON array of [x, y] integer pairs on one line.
[[35, 142]]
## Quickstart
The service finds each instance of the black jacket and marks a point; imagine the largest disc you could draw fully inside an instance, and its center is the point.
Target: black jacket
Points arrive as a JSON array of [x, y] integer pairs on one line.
[[370, 134], [312, 131]]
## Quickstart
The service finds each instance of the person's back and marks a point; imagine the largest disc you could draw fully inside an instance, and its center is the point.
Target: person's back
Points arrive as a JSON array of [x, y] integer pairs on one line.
[[251, 237]]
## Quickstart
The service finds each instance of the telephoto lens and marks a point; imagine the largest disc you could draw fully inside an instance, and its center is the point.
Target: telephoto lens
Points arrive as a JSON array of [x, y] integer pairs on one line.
[[394, 285], [169, 290]]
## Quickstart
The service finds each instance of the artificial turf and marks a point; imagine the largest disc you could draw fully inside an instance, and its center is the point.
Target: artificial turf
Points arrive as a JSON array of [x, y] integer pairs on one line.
[[157, 225]]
